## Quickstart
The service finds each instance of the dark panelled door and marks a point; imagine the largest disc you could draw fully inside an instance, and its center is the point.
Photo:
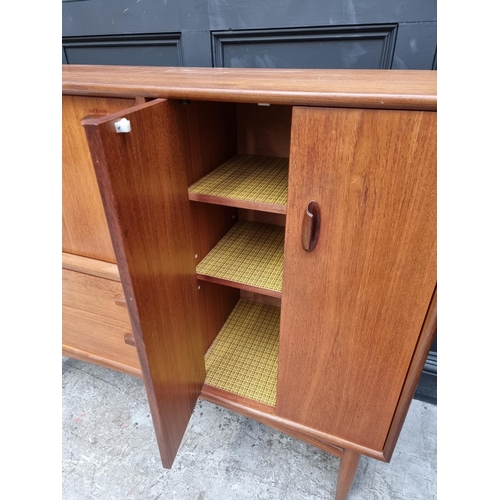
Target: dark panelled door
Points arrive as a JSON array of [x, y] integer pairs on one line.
[[141, 176]]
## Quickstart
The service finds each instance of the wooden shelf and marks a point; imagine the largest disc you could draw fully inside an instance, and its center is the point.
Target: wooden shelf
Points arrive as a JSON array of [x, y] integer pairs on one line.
[[246, 181], [243, 359], [248, 257]]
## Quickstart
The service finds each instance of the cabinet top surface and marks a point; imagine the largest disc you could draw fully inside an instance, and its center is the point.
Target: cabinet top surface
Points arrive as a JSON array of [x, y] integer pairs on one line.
[[384, 89]]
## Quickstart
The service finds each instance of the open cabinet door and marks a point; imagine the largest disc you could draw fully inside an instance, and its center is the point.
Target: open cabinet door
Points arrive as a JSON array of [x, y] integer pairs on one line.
[[143, 185]]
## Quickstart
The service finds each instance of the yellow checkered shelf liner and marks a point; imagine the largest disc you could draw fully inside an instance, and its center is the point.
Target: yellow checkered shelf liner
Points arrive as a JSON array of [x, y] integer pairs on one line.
[[243, 358], [254, 178], [250, 253]]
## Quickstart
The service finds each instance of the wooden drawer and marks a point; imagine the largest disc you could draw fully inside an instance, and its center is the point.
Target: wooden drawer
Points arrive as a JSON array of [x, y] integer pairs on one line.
[[94, 325]]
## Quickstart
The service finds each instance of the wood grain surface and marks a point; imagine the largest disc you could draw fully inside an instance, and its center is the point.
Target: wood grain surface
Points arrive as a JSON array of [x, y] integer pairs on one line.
[[93, 325], [347, 472], [210, 129], [81, 320], [84, 228], [142, 179], [238, 285], [427, 335], [93, 267], [128, 338], [211, 140], [90, 293], [261, 299], [215, 303], [244, 204], [383, 89], [266, 414], [264, 130], [353, 308], [264, 217]]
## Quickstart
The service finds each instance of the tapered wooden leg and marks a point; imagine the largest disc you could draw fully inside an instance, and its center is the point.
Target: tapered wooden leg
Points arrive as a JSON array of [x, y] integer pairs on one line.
[[347, 471]]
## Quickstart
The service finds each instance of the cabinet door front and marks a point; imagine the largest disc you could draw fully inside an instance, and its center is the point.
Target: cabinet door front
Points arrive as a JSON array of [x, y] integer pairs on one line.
[[142, 179], [353, 305], [84, 228]]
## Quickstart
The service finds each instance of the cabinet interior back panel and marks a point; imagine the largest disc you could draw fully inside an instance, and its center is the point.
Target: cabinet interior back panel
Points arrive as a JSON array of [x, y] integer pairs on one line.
[[353, 308]]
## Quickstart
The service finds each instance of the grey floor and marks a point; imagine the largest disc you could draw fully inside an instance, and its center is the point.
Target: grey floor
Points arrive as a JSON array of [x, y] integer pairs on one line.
[[109, 451]]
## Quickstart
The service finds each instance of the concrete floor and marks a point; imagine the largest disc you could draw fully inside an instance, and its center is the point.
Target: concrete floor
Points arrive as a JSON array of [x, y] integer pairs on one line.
[[109, 451]]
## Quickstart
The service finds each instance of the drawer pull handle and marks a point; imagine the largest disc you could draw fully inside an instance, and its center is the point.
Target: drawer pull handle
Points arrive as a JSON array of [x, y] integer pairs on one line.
[[120, 300], [310, 226], [129, 339]]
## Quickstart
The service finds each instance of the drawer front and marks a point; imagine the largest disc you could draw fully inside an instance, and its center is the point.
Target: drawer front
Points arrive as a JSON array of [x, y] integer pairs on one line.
[[94, 325]]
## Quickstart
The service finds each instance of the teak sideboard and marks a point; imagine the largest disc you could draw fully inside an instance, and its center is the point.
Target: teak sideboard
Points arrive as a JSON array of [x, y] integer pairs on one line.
[[263, 239]]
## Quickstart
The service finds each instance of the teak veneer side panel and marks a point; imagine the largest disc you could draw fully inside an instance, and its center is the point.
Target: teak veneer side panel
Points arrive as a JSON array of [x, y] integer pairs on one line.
[[211, 137], [215, 303], [429, 330], [382, 89], [142, 179], [353, 308], [84, 228]]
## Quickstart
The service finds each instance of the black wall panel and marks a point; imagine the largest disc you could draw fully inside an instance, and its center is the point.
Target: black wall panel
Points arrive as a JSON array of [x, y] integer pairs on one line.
[[250, 33], [361, 47], [415, 46], [102, 17], [127, 50]]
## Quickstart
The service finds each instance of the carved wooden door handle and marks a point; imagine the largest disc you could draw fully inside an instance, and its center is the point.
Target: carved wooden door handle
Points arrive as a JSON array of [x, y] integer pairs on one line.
[[310, 226]]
